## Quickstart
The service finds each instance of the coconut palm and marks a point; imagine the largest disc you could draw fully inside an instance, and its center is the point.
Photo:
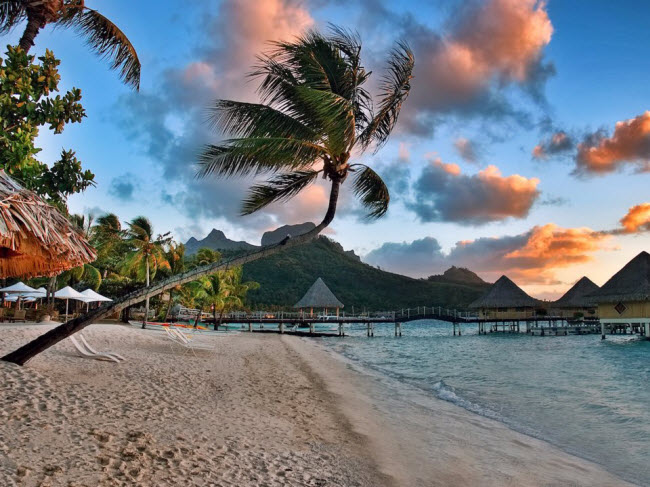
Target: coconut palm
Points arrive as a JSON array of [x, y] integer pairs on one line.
[[147, 255], [226, 292], [315, 114], [101, 35]]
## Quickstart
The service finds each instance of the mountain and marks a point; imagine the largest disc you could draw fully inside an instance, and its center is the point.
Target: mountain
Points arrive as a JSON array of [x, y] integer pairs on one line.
[[279, 234], [216, 240], [285, 277], [459, 275]]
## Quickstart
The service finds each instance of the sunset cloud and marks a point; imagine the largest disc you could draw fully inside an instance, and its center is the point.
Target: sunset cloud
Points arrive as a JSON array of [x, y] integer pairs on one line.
[[443, 193], [637, 219], [629, 144], [558, 143], [490, 44], [533, 257]]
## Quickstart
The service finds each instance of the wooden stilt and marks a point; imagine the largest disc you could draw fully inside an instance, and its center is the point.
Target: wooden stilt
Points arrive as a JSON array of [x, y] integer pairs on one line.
[[602, 330]]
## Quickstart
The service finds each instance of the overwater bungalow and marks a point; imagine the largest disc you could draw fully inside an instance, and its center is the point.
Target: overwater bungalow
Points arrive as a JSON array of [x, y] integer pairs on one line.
[[505, 301], [624, 300], [35, 238], [577, 302], [318, 297]]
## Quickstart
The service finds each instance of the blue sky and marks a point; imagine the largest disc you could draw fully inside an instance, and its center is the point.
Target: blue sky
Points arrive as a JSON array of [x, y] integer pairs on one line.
[[497, 77]]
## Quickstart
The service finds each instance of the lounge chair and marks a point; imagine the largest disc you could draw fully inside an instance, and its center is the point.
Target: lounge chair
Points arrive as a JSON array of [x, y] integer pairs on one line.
[[86, 353], [19, 315], [92, 350], [179, 338]]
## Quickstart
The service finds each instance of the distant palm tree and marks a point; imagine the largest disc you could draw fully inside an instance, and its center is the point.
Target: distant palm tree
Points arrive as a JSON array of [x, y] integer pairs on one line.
[[224, 292], [102, 35], [147, 255], [315, 114], [206, 256]]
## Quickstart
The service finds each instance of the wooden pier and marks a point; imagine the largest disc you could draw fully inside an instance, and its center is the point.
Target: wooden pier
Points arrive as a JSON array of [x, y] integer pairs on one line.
[[301, 324]]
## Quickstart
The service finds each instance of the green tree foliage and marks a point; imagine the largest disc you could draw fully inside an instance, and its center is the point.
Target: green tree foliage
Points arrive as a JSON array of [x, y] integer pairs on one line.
[[27, 103]]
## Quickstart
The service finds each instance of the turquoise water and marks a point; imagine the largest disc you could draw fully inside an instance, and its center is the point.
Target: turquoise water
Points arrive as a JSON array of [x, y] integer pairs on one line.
[[587, 396]]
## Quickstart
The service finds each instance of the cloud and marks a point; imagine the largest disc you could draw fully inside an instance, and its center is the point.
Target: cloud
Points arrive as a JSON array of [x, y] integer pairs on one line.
[[169, 122], [560, 142], [443, 193], [123, 187], [629, 144], [487, 47], [636, 220], [466, 149], [529, 258]]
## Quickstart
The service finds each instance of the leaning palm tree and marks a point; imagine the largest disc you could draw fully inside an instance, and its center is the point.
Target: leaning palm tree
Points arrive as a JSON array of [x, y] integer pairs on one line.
[[102, 35], [314, 115], [147, 255]]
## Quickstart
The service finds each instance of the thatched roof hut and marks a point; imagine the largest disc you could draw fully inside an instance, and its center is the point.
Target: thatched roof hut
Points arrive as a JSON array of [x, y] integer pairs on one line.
[[504, 294], [319, 296], [631, 283], [35, 239], [578, 295]]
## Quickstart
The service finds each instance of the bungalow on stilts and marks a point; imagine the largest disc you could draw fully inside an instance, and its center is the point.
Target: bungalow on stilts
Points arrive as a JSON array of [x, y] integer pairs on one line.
[[624, 300]]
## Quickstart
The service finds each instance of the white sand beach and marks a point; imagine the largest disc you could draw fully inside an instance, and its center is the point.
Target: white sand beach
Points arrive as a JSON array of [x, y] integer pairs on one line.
[[260, 410]]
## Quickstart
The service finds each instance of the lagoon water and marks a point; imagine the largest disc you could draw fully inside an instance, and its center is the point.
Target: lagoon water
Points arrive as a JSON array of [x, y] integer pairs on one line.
[[589, 397]]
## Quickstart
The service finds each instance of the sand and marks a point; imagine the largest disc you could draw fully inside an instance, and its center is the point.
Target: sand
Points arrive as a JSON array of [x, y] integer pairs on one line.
[[260, 410]]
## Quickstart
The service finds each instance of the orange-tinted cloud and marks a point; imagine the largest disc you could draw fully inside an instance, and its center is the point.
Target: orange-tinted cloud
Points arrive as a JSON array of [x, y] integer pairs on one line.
[[630, 144], [637, 219], [549, 248], [443, 193], [494, 41], [533, 257]]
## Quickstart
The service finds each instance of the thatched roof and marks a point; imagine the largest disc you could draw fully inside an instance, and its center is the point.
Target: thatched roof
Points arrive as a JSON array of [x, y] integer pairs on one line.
[[504, 294], [319, 296], [631, 283], [578, 295], [35, 239]]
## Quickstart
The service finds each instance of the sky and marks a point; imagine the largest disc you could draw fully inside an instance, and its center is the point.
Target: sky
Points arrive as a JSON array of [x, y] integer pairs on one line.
[[523, 149]]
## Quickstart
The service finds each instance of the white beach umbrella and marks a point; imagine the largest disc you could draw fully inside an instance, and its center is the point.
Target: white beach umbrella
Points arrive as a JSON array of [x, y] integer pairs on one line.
[[68, 293], [20, 288], [93, 297], [41, 292]]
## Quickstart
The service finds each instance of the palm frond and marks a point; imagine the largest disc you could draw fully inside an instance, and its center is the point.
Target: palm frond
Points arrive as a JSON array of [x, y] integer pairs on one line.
[[239, 119], [253, 155], [11, 14], [279, 188], [372, 191], [107, 40], [395, 86]]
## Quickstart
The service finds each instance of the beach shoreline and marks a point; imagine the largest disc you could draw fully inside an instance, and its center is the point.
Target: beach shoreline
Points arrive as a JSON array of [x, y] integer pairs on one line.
[[259, 410]]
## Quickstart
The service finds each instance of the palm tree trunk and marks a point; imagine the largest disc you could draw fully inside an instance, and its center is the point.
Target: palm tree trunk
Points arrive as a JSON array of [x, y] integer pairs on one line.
[[146, 306], [169, 307], [34, 24], [214, 317], [54, 336]]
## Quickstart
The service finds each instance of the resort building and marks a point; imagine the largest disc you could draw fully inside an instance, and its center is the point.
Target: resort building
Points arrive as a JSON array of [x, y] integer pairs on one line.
[[320, 297], [624, 300], [505, 301], [576, 302]]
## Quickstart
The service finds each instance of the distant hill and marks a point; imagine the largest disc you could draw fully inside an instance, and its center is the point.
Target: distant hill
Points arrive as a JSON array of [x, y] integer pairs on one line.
[[216, 240], [459, 275], [279, 234], [286, 276]]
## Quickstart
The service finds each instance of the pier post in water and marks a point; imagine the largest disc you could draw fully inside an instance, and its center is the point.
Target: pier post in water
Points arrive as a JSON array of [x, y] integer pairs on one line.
[[602, 330]]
